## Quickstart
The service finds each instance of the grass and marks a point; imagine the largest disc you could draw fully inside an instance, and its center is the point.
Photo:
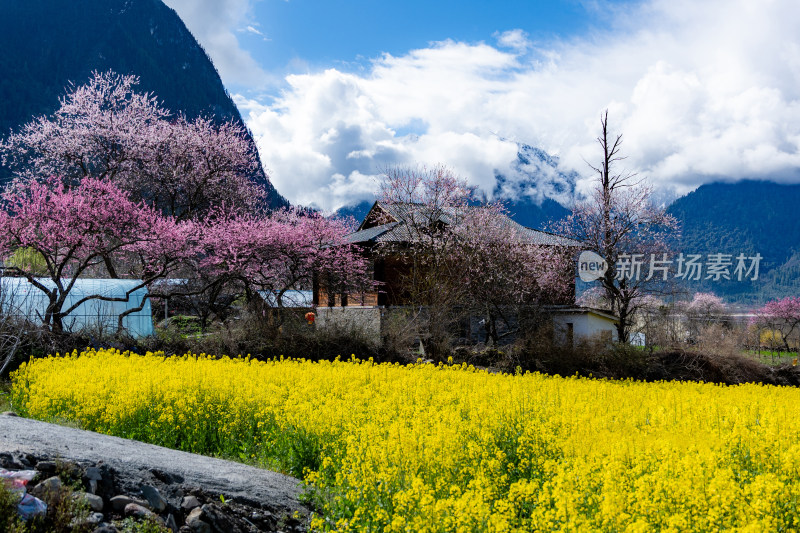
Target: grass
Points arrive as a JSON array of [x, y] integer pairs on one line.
[[5, 396], [767, 357], [771, 357]]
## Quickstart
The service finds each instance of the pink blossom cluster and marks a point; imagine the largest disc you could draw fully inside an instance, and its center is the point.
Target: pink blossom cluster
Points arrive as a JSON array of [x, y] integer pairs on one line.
[[787, 309], [105, 129], [472, 252], [501, 266], [96, 228], [781, 315], [282, 251], [113, 185], [705, 305], [94, 224]]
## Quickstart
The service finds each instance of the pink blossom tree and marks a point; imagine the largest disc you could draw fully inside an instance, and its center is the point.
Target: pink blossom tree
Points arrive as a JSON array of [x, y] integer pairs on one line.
[[92, 226], [463, 258], [188, 168], [106, 129], [502, 271], [282, 251], [429, 201], [595, 297], [781, 316], [441, 193], [706, 306], [618, 220]]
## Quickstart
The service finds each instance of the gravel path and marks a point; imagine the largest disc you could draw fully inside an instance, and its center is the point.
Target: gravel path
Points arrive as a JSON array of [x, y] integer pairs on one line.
[[234, 480]]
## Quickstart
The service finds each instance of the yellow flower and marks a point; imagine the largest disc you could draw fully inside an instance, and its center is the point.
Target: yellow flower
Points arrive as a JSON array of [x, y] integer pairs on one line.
[[386, 447]]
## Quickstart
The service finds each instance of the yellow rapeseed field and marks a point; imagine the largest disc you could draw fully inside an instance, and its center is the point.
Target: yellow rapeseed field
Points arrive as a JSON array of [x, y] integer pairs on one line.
[[449, 448]]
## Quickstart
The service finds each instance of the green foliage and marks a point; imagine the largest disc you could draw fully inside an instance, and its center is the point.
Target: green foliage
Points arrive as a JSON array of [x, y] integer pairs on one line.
[[29, 260], [180, 325], [149, 525], [5, 398], [63, 513], [9, 520]]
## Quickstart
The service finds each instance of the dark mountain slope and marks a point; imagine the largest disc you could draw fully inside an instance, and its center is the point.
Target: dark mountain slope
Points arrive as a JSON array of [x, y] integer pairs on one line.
[[535, 215], [48, 43], [745, 217]]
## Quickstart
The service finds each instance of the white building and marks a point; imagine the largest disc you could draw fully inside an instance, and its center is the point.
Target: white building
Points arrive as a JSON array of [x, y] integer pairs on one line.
[[571, 323]]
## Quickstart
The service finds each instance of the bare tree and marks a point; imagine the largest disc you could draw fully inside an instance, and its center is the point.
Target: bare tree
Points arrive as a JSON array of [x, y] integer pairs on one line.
[[620, 222], [428, 201]]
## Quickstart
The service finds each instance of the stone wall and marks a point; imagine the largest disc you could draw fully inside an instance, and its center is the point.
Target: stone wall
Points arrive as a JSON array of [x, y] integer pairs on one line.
[[366, 320]]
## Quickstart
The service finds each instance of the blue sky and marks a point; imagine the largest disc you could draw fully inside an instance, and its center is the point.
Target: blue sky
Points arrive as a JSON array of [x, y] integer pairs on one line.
[[334, 92], [325, 33]]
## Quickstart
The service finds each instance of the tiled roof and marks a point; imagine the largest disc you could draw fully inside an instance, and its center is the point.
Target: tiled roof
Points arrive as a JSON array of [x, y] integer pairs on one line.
[[397, 230], [371, 234]]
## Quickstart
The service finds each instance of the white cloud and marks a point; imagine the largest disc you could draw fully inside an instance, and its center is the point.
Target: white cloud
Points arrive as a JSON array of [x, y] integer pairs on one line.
[[516, 39], [251, 29], [701, 90], [214, 23]]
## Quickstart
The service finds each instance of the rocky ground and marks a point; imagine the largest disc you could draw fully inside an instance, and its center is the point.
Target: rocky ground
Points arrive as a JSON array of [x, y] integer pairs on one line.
[[118, 479]]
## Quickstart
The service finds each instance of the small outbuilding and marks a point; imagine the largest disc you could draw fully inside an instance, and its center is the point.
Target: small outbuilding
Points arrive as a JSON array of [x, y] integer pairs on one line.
[[573, 322]]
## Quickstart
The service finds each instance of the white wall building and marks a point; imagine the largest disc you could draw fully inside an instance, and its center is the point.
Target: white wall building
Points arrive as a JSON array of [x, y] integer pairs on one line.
[[572, 323]]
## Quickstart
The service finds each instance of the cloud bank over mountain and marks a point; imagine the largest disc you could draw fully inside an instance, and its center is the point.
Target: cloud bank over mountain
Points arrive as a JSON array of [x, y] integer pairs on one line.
[[701, 90], [216, 23]]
